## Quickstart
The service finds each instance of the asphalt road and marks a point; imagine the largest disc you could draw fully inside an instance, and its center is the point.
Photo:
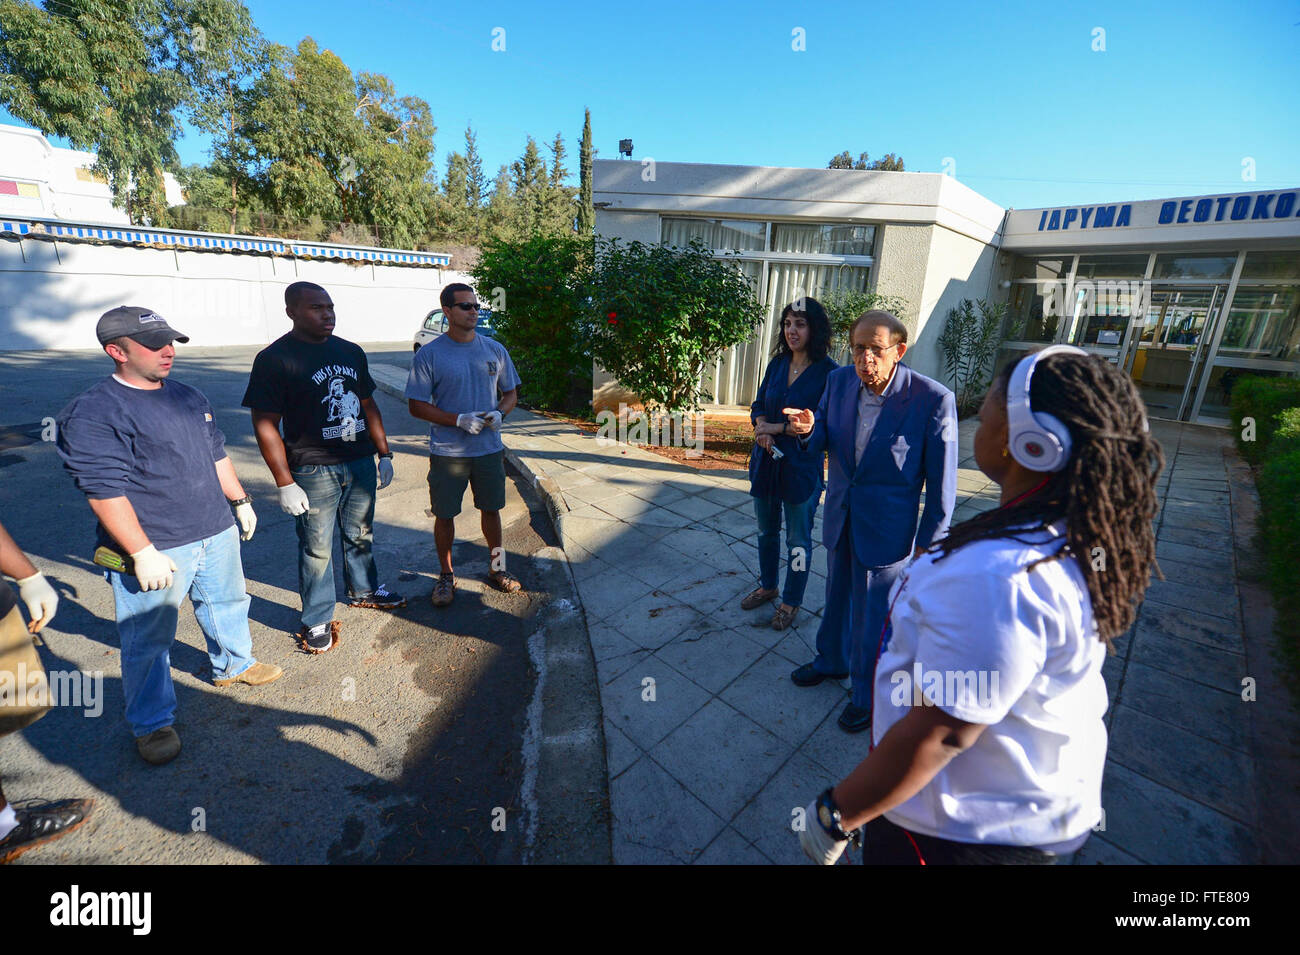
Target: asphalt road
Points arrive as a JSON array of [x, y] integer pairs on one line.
[[401, 745]]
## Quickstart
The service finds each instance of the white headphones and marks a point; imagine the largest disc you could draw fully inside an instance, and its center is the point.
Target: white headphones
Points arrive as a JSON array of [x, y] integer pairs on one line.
[[1037, 440]]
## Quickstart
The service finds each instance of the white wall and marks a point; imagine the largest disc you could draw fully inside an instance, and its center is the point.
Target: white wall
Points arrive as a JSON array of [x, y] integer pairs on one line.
[[52, 293]]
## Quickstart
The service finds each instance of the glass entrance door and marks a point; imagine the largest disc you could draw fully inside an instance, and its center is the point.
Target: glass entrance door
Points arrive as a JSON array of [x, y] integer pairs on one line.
[[1172, 341]]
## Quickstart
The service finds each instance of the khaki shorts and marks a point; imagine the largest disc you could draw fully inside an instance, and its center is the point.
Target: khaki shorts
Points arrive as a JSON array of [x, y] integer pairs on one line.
[[486, 476]]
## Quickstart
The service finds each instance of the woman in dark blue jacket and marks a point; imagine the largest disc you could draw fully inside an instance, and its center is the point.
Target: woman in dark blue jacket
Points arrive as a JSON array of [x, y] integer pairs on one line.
[[792, 479]]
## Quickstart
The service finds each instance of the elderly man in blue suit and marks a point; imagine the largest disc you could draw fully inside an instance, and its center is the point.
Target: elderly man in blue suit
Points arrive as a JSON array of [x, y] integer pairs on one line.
[[888, 431]]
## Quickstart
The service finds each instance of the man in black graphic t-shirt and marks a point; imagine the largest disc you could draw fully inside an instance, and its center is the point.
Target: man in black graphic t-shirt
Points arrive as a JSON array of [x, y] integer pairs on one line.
[[318, 388]]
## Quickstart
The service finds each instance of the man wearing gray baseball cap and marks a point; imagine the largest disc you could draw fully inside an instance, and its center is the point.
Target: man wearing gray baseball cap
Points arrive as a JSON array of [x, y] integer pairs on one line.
[[147, 453]]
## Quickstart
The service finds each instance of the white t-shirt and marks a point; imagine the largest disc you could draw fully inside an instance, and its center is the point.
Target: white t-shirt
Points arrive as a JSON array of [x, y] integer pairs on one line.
[[987, 642]]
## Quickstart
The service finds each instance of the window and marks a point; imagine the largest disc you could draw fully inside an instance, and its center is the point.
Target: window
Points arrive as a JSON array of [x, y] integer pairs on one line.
[[823, 238], [1178, 266], [1271, 265], [1112, 266], [739, 235], [1050, 269]]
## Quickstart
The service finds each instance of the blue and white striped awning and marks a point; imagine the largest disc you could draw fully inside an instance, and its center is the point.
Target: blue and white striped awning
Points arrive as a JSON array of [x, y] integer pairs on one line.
[[215, 242]]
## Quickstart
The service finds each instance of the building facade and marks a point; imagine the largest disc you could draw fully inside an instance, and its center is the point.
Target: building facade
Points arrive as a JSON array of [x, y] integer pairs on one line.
[[1187, 294], [44, 181]]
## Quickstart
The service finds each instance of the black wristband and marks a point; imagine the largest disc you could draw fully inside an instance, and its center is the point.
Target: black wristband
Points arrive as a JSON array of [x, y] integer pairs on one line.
[[246, 499], [389, 455]]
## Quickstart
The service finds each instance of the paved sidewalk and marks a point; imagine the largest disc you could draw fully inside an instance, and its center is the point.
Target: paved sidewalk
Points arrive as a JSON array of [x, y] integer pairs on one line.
[[711, 747]]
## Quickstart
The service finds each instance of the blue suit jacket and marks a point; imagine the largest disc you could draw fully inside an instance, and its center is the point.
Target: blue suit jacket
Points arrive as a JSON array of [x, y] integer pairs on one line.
[[913, 443]]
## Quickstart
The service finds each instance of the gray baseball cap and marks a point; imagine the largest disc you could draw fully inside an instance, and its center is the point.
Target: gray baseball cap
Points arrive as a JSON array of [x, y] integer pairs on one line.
[[142, 324]]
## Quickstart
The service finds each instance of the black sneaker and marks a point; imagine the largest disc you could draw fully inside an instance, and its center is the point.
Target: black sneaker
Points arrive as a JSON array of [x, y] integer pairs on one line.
[[42, 823], [381, 599], [320, 638]]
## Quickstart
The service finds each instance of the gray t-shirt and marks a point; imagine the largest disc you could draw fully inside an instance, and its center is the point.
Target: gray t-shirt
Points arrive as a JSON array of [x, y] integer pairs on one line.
[[461, 377]]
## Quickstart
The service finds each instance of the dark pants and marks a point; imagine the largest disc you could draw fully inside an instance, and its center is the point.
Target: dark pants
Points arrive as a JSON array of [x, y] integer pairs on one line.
[[884, 843], [857, 602]]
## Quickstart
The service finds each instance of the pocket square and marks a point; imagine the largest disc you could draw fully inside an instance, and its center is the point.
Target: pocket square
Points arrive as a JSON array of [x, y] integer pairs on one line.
[[899, 450]]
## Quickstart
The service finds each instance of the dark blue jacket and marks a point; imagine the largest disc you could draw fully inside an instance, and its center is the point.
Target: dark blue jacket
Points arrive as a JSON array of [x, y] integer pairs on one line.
[[913, 443], [798, 475]]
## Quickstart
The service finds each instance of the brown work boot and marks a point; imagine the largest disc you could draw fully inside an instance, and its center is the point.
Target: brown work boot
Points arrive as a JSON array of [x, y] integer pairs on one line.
[[444, 590], [258, 674], [160, 746]]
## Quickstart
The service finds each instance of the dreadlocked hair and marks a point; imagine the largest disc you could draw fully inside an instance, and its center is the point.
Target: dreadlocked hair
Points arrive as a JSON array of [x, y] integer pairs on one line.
[[1106, 492]]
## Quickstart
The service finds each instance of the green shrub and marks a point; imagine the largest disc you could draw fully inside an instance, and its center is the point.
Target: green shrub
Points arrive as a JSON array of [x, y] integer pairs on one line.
[[1257, 404], [659, 314], [1279, 497], [536, 288], [969, 343]]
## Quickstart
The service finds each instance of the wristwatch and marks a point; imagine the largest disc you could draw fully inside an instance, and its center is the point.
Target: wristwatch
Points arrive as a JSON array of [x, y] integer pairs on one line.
[[246, 499], [389, 455], [828, 814]]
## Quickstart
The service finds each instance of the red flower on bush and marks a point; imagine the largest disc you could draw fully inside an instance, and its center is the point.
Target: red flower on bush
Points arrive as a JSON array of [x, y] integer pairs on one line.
[[613, 318]]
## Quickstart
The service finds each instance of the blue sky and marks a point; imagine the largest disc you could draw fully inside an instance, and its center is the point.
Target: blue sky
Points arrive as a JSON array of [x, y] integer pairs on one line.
[[1014, 95]]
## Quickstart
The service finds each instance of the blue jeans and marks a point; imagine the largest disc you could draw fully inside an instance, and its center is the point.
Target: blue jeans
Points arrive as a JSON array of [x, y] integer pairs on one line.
[[798, 541], [211, 572], [342, 494]]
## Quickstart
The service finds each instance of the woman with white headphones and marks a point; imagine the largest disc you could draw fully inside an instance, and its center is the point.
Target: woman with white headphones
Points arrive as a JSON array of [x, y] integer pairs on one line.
[[989, 743]]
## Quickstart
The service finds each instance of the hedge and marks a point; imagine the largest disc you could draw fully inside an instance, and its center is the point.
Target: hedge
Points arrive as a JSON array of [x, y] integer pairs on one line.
[[1274, 403]]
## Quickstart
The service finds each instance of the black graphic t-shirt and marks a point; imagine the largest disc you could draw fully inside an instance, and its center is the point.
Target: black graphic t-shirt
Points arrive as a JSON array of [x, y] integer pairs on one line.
[[317, 390]]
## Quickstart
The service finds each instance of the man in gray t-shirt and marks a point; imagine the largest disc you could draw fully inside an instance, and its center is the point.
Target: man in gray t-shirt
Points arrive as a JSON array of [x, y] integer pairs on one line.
[[454, 383]]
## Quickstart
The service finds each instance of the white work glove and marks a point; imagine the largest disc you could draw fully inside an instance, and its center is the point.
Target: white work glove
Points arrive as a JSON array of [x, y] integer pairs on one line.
[[41, 600], [153, 569], [247, 521], [293, 499], [385, 472], [818, 844], [492, 419], [470, 422]]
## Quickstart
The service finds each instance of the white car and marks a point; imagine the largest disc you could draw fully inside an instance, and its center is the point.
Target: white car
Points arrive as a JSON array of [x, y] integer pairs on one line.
[[435, 323]]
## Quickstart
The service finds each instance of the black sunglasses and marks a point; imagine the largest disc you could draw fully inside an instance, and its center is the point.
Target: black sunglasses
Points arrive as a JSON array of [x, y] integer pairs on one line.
[[466, 305]]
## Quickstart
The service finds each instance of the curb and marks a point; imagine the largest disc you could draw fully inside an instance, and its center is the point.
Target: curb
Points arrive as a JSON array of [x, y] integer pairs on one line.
[[565, 785]]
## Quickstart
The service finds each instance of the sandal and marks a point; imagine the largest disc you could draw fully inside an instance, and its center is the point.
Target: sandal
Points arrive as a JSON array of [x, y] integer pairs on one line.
[[504, 582], [783, 618], [444, 590], [757, 598]]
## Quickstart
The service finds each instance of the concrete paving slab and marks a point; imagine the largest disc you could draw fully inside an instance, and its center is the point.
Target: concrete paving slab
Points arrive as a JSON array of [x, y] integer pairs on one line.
[[768, 819], [1158, 825], [731, 848], [1154, 646], [620, 751], [1211, 578], [720, 755], [656, 820], [1213, 714], [711, 658], [1188, 764], [704, 590], [829, 746], [1097, 851], [651, 621], [766, 694], [647, 712]]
